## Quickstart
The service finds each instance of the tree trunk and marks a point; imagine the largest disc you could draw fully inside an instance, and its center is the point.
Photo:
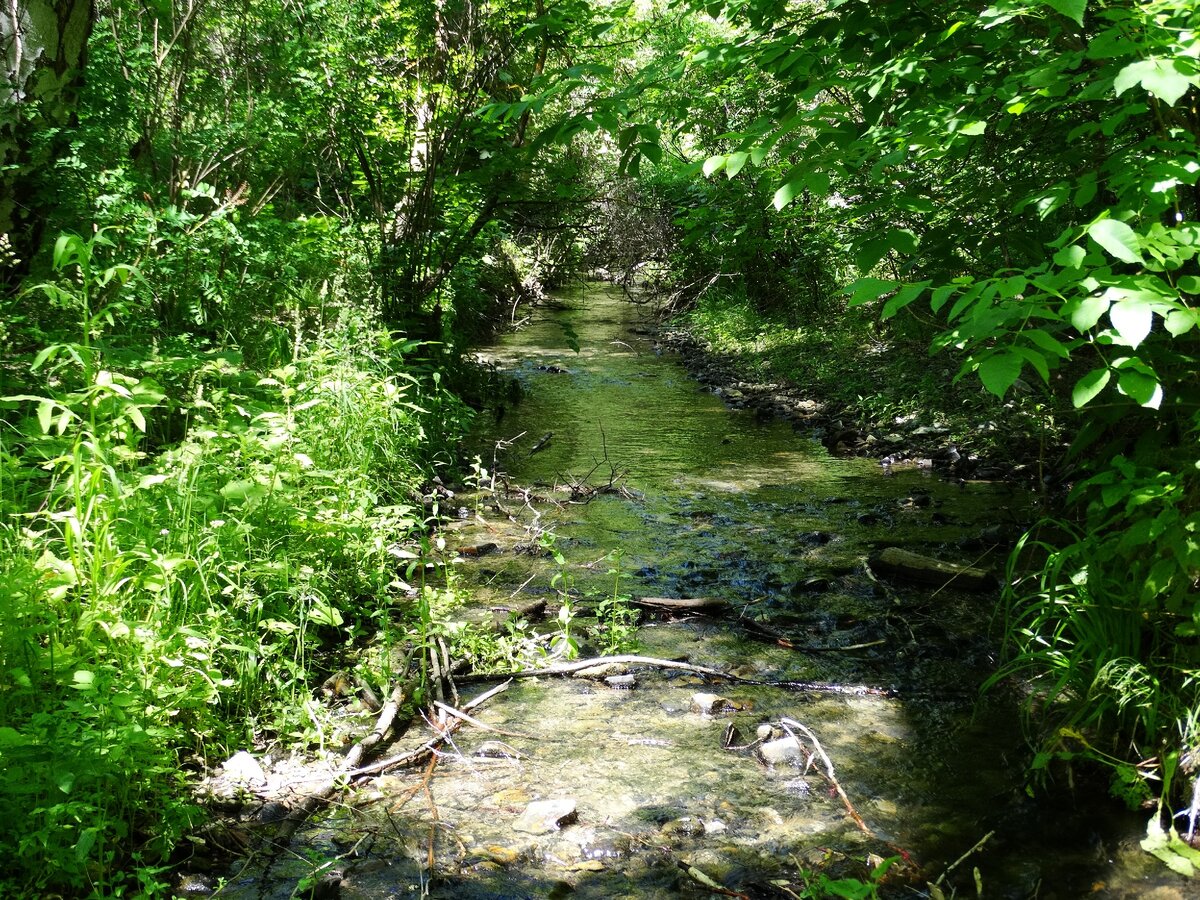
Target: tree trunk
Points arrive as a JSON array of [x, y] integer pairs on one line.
[[45, 49]]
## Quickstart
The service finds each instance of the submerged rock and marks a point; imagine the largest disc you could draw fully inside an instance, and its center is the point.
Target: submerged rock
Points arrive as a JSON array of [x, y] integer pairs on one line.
[[709, 704], [545, 816], [779, 752]]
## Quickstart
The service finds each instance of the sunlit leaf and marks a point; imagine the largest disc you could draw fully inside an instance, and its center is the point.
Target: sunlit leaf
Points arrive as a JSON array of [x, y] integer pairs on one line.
[[1087, 387], [1132, 318], [1086, 312], [1161, 77], [1117, 238], [864, 290], [788, 193], [734, 163], [1140, 387], [1070, 256]]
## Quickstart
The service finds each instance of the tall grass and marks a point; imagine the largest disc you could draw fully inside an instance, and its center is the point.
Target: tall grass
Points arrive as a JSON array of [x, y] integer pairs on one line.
[[164, 604]]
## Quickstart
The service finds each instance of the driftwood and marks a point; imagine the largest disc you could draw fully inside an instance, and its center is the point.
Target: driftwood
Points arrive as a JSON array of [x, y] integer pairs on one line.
[[581, 665], [351, 768], [926, 570], [684, 604]]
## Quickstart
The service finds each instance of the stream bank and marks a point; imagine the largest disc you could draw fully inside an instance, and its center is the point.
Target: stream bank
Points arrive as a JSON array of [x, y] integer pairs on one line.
[[888, 401], [623, 783]]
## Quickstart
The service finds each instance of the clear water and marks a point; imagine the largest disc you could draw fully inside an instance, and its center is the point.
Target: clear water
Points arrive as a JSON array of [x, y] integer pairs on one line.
[[720, 504]]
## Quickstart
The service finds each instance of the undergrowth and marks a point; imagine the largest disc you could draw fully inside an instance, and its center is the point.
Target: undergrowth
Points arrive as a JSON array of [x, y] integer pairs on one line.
[[183, 536]]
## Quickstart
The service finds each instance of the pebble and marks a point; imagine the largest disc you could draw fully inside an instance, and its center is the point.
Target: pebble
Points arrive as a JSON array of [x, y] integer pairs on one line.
[[708, 704], [777, 752], [244, 769], [545, 816], [621, 682]]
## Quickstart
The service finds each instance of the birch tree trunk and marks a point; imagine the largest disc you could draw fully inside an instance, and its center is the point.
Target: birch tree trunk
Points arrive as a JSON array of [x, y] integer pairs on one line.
[[44, 45]]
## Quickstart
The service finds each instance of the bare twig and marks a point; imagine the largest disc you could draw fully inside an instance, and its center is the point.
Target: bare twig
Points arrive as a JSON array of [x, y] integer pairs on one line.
[[788, 724]]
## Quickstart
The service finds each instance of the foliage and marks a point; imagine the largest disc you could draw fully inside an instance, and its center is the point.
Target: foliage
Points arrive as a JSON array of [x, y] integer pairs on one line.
[[160, 604], [1025, 173]]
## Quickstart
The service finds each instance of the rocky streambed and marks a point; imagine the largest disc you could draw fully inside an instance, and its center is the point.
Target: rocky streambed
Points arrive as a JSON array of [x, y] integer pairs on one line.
[[820, 716]]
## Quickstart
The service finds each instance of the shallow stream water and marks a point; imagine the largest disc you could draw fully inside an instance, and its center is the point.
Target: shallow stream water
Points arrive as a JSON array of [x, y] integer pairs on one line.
[[712, 502]]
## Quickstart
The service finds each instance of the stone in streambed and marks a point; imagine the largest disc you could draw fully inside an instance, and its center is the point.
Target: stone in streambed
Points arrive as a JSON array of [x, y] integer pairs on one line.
[[545, 816], [780, 752]]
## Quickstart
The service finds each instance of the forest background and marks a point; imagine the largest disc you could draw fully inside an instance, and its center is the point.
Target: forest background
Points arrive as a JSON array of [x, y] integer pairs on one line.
[[246, 241]]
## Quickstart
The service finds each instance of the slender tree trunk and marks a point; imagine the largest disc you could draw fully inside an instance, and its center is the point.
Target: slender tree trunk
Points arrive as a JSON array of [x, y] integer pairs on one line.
[[45, 48]]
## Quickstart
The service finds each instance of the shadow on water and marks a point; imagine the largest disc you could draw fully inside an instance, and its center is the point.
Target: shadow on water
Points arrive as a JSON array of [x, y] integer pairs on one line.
[[721, 504]]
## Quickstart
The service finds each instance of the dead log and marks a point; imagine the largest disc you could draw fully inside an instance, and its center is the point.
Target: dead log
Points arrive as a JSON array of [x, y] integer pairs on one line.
[[686, 604], [606, 663], [927, 570]]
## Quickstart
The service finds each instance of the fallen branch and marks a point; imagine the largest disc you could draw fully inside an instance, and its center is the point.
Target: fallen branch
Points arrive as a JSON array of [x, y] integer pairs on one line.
[[690, 604], [350, 767], [788, 724], [570, 668], [423, 752]]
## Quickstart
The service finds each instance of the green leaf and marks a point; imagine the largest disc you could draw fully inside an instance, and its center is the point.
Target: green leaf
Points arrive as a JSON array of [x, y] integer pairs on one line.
[[1070, 257], [787, 193], [1181, 321], [1117, 238], [999, 371], [1072, 9], [734, 163], [713, 164], [974, 128], [904, 296], [45, 415], [136, 417], [1140, 387], [651, 151], [1086, 312], [1132, 318], [1161, 77], [864, 290], [1087, 387], [1047, 342]]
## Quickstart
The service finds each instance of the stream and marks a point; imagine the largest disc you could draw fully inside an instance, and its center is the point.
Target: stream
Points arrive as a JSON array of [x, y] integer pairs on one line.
[[653, 487]]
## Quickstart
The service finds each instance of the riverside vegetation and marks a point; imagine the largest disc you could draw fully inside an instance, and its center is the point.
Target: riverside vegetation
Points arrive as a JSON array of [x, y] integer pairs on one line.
[[246, 243]]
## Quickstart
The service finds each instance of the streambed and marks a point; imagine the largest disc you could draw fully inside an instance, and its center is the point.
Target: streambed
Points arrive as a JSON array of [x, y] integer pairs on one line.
[[714, 502]]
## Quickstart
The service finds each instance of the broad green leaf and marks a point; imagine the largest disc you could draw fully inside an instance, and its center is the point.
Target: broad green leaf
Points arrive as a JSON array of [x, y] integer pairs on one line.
[[1189, 284], [1181, 321], [787, 193], [713, 164], [1087, 387], [1070, 257], [999, 371], [1132, 317], [1117, 238], [734, 163], [651, 151], [1161, 77], [136, 417], [974, 128], [1046, 341], [1072, 9], [45, 415], [1086, 312], [864, 290], [1035, 359], [1140, 387], [904, 296]]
